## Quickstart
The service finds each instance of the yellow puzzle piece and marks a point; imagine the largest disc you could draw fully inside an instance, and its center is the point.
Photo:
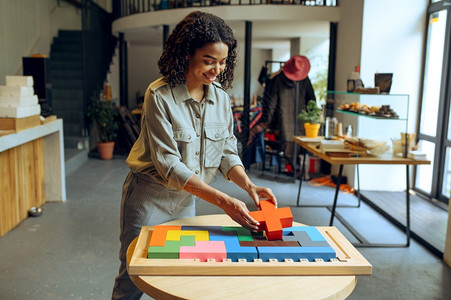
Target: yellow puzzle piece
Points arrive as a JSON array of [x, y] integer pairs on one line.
[[199, 235]]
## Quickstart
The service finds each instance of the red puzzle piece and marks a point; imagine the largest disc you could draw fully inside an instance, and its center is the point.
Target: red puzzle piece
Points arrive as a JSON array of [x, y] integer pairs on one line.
[[272, 220]]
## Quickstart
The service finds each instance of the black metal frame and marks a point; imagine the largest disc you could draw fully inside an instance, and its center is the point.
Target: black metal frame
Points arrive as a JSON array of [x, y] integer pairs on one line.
[[362, 241], [123, 70], [98, 49], [441, 141], [337, 188], [122, 8]]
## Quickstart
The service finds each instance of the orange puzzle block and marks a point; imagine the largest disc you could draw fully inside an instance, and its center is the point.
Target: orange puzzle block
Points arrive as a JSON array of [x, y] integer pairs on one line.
[[272, 220], [159, 234]]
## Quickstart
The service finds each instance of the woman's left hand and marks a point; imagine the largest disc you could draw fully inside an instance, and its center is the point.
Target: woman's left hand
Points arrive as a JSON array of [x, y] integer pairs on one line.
[[258, 193]]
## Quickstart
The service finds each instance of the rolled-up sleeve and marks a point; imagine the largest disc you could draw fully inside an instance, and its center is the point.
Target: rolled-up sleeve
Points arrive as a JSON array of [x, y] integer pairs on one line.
[[166, 157]]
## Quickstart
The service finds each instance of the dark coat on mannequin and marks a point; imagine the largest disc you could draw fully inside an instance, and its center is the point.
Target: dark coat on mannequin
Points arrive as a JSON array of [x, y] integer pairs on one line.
[[279, 106]]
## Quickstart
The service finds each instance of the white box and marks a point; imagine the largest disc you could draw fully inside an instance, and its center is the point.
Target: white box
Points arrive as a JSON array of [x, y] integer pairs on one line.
[[19, 80], [16, 91], [415, 154], [19, 112], [19, 101], [332, 145]]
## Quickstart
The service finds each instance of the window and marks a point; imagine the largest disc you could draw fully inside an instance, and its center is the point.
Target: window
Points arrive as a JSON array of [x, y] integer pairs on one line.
[[434, 130]]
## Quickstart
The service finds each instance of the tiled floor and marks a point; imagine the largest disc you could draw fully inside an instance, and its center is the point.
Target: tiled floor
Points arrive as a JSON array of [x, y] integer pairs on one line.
[[70, 252]]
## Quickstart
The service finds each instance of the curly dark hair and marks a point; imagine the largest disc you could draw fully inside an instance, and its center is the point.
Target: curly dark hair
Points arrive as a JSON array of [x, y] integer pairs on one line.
[[195, 31]]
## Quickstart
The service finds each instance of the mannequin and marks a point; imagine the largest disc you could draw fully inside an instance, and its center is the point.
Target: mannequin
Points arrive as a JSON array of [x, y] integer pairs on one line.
[[282, 102]]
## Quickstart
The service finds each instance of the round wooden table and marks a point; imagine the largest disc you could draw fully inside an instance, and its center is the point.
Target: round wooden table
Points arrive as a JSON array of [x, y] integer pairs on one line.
[[239, 287]]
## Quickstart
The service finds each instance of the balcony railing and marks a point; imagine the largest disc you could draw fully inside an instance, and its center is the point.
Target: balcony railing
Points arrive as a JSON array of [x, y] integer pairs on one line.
[[123, 8]]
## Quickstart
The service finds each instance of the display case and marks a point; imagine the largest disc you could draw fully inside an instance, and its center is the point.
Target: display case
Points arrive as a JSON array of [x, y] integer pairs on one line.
[[376, 118], [379, 125]]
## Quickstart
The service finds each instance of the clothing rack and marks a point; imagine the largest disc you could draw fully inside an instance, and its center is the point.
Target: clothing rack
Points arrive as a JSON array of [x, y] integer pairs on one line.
[[274, 62], [294, 159], [296, 97]]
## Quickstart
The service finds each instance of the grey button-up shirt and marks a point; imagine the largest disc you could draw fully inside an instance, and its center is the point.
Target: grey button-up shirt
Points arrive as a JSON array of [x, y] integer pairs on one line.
[[181, 136]]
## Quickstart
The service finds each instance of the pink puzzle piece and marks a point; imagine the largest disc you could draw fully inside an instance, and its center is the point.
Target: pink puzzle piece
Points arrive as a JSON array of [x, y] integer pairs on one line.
[[204, 250]]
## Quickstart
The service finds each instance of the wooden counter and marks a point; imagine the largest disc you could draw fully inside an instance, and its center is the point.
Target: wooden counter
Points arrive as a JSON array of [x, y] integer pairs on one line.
[[32, 171]]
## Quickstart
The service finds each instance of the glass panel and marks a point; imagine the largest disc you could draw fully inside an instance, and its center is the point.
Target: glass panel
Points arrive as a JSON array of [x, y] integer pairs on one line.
[[433, 72], [423, 179], [446, 190]]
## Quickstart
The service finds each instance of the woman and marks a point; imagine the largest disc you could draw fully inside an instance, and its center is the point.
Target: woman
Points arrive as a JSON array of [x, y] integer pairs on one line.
[[186, 137]]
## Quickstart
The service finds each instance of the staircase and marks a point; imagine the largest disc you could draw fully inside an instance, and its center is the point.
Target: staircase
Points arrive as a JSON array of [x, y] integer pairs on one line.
[[66, 61]]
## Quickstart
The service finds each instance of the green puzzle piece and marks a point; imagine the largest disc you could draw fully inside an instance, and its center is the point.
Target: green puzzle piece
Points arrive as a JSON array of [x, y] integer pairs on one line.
[[170, 249], [242, 233]]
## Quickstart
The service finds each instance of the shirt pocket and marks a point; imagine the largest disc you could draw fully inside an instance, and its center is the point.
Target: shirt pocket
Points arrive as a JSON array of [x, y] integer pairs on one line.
[[215, 139], [186, 142]]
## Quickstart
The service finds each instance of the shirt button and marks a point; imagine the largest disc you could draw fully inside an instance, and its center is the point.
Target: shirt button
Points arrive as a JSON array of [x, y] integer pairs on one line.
[[189, 137], [198, 134], [197, 172], [198, 116], [197, 152], [216, 135]]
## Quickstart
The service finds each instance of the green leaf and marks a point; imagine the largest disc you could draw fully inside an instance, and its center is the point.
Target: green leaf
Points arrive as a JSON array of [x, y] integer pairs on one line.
[[104, 113], [311, 114]]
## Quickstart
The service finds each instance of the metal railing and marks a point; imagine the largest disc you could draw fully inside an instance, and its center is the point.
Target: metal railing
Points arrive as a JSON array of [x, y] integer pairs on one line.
[[123, 8]]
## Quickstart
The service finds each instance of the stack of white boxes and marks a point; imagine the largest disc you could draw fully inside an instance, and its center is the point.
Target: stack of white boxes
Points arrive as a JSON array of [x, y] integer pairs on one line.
[[17, 98], [332, 146]]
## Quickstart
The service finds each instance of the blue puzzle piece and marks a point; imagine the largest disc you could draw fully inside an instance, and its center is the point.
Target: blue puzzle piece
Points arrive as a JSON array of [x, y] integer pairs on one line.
[[296, 253], [216, 230], [313, 233], [304, 239], [233, 248]]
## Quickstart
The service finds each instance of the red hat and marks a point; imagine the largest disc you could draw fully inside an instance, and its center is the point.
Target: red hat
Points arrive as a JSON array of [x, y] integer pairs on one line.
[[296, 68]]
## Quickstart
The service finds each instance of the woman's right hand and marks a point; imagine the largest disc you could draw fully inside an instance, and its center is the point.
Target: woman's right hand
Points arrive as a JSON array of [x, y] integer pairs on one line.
[[237, 210]]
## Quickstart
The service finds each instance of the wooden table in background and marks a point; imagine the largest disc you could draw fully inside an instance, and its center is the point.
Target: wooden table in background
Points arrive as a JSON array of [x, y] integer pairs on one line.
[[387, 159], [33, 171], [240, 287]]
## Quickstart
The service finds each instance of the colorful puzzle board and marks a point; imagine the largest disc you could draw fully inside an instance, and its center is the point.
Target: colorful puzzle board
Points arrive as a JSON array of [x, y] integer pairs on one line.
[[216, 250], [236, 243]]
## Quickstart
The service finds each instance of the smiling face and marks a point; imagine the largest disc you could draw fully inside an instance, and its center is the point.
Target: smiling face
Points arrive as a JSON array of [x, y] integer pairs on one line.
[[206, 63]]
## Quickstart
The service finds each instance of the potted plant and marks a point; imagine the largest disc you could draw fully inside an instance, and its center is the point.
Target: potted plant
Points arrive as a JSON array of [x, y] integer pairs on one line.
[[311, 116], [103, 113]]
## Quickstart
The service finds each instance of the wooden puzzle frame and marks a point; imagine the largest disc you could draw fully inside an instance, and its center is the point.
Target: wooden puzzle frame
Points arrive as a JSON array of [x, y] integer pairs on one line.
[[349, 262]]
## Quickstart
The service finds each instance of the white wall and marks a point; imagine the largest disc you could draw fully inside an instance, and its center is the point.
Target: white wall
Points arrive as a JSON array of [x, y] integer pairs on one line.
[[381, 36], [28, 27], [142, 69], [392, 42], [23, 31], [349, 39]]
